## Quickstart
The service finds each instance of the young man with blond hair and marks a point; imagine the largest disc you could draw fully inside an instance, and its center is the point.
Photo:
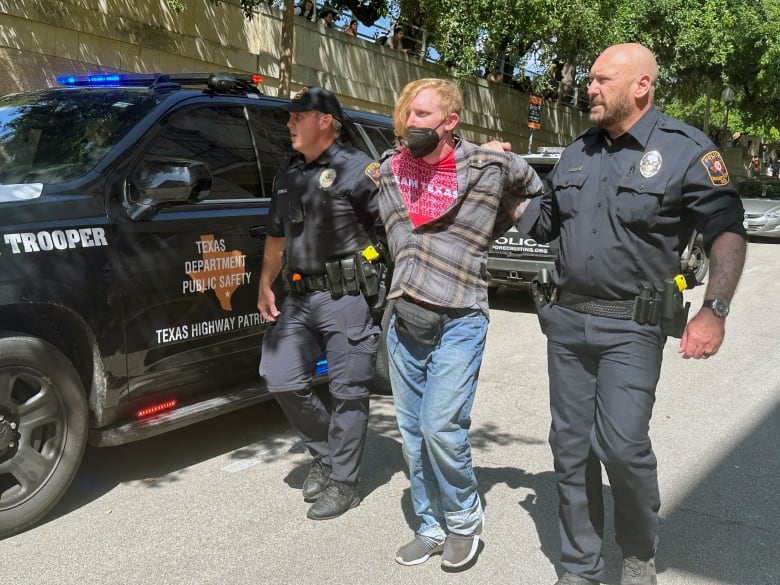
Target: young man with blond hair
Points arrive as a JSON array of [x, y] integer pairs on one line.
[[442, 201]]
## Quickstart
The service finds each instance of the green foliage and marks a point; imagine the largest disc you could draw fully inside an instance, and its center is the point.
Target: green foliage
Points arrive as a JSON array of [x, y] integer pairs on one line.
[[176, 5], [698, 43]]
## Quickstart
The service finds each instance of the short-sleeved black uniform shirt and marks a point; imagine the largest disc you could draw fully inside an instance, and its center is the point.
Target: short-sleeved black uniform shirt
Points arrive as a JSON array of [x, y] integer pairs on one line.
[[325, 209], [626, 208]]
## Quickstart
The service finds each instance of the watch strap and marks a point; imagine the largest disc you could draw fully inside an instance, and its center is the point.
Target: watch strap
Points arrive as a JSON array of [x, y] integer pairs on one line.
[[719, 308]]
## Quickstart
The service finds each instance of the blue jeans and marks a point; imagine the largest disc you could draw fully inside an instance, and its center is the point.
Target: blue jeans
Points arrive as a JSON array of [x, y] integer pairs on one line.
[[434, 382]]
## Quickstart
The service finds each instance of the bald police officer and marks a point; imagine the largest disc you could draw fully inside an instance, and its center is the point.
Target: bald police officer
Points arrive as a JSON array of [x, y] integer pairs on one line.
[[625, 198], [323, 210]]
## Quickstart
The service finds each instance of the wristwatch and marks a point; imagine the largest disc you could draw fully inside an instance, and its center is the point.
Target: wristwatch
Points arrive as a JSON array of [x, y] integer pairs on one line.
[[719, 308]]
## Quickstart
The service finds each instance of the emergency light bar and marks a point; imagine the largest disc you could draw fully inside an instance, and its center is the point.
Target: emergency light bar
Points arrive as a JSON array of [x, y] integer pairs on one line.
[[224, 82], [90, 80]]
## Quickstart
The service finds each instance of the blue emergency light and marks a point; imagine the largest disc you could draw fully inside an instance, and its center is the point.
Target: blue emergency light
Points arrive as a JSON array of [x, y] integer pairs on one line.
[[215, 81], [112, 79]]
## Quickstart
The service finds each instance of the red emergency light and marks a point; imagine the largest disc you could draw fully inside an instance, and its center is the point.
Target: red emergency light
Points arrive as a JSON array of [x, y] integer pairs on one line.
[[154, 409]]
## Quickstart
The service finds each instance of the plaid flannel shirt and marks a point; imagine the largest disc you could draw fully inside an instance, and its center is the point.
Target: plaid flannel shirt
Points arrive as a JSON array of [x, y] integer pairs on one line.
[[444, 262]]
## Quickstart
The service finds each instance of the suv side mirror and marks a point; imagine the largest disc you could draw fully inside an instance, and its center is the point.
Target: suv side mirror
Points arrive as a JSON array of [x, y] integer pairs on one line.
[[157, 184]]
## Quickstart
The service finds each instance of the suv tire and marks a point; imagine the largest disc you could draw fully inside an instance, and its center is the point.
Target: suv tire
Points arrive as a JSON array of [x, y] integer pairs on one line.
[[43, 431], [698, 260]]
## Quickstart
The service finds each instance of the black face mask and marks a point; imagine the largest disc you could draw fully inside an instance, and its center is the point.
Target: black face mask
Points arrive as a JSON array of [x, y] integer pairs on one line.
[[422, 141]]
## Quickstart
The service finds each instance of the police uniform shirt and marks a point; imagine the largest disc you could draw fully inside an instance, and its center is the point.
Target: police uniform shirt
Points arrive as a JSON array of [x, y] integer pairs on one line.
[[325, 209], [626, 208]]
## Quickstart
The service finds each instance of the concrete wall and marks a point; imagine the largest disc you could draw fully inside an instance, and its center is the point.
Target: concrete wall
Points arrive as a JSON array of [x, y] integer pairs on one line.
[[43, 39]]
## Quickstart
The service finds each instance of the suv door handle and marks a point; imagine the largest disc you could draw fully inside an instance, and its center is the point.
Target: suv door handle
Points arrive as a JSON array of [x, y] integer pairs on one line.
[[258, 231]]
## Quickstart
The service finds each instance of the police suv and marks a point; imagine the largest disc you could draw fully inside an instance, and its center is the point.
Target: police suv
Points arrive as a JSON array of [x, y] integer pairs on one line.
[[515, 259], [133, 211]]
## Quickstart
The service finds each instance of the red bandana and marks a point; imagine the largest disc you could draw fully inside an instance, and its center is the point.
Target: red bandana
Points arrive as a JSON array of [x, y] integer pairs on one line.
[[427, 190]]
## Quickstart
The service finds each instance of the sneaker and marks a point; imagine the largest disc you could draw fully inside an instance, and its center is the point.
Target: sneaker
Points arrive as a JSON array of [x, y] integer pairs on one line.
[[572, 579], [638, 572], [315, 482], [459, 550], [416, 552], [336, 498]]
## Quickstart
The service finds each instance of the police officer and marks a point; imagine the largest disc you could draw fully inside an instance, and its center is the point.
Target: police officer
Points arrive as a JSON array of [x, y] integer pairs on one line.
[[625, 198], [323, 210]]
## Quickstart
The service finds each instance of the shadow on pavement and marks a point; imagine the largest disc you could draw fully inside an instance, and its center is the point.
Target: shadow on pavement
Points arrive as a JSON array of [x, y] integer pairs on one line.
[[382, 456], [166, 458], [728, 527], [514, 300]]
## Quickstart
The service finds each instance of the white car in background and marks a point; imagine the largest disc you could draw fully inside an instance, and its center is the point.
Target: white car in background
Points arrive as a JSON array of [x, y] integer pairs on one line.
[[761, 199]]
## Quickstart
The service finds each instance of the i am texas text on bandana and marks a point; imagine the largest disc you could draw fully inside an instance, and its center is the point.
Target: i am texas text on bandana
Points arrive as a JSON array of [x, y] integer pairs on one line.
[[427, 190]]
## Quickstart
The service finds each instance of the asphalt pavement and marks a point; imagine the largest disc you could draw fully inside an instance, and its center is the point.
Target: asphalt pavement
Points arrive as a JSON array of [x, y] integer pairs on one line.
[[220, 503]]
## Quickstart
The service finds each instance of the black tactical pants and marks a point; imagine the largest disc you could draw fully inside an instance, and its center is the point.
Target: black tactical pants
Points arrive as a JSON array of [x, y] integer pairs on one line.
[[603, 374], [309, 326]]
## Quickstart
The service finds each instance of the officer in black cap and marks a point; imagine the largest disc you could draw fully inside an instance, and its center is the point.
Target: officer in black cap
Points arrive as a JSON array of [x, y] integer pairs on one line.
[[323, 210]]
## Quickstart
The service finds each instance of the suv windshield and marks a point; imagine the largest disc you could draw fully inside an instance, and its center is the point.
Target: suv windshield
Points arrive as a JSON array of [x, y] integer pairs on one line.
[[759, 189], [54, 136]]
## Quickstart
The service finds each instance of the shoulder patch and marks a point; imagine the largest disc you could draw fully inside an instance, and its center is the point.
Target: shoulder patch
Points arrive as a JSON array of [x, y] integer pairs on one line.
[[716, 168], [372, 171]]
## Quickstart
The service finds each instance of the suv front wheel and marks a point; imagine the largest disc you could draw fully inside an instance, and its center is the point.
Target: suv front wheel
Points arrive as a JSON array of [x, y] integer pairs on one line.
[[43, 429]]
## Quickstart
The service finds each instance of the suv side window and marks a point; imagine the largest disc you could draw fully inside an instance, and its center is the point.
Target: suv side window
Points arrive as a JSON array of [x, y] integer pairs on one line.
[[375, 138], [219, 137], [272, 140]]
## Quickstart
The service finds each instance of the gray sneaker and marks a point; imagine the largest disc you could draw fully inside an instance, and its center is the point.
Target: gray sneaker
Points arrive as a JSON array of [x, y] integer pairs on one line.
[[572, 579], [459, 550], [638, 572], [416, 552]]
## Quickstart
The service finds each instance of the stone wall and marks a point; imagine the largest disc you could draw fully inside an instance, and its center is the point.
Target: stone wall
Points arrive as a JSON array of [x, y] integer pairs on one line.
[[43, 39]]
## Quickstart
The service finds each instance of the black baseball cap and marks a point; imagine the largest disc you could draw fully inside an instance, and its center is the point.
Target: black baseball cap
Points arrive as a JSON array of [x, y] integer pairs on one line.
[[315, 98]]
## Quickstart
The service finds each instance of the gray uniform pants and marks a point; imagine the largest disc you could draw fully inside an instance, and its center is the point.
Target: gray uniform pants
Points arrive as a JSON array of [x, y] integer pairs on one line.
[[332, 428], [603, 374]]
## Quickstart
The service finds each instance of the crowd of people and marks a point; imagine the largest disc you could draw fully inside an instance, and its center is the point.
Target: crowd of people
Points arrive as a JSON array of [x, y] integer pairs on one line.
[[394, 39], [556, 85], [759, 159], [441, 201]]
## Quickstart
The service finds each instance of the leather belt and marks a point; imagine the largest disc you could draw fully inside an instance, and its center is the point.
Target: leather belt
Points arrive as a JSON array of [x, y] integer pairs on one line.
[[423, 304], [450, 312], [595, 306]]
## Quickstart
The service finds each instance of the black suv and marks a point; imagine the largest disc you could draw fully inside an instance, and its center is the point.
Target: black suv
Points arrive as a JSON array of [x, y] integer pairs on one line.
[[133, 215], [516, 258]]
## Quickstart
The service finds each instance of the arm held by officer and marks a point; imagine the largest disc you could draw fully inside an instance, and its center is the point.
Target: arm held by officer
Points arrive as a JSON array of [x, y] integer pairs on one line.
[[529, 187]]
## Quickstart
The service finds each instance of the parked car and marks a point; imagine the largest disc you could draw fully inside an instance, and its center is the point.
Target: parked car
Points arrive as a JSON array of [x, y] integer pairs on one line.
[[132, 216], [516, 258], [761, 199]]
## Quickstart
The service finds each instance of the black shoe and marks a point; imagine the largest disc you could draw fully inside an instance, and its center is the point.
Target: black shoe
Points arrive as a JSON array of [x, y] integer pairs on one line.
[[319, 475], [572, 579], [638, 572], [336, 498]]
